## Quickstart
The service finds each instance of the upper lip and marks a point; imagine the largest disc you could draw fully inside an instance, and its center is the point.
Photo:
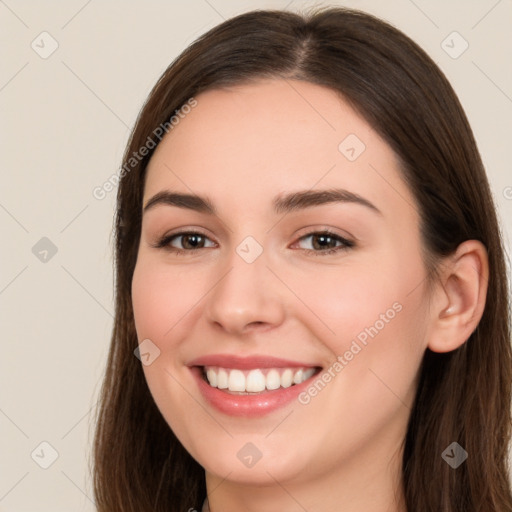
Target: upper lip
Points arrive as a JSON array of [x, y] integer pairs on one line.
[[247, 363]]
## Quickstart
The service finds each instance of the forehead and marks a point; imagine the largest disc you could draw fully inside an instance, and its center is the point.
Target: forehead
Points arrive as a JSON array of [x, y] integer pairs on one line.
[[273, 136]]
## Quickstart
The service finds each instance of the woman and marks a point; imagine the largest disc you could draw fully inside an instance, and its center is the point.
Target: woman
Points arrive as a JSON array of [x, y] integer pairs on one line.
[[311, 275]]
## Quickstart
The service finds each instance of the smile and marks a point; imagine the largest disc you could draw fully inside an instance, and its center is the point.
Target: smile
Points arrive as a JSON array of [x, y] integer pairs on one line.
[[257, 380], [250, 386]]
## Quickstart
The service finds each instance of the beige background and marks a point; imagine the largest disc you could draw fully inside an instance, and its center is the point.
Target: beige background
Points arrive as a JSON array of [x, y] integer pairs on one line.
[[65, 120]]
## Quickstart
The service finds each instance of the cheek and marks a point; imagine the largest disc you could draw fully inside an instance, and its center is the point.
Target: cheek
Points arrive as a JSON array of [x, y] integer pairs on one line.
[[372, 317], [163, 304], [162, 298], [346, 301], [373, 322]]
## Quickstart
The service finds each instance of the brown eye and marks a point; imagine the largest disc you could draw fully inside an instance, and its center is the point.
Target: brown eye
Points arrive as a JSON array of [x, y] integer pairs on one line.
[[325, 242], [192, 241], [184, 242]]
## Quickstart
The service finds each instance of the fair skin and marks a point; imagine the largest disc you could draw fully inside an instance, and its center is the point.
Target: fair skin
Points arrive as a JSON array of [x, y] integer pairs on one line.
[[241, 148]]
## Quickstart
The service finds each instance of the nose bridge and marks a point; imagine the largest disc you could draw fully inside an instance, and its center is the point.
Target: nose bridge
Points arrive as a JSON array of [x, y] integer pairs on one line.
[[246, 293]]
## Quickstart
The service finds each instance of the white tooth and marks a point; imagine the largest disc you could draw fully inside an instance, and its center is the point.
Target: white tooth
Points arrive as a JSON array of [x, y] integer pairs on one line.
[[255, 381], [222, 379], [287, 378], [212, 377], [297, 378], [307, 374], [273, 380], [236, 380]]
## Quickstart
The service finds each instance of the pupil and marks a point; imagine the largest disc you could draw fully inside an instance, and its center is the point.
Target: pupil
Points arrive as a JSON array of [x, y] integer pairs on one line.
[[188, 238], [323, 240]]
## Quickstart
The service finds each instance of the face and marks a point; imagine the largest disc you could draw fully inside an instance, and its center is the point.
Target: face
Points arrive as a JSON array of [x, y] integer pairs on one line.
[[286, 326]]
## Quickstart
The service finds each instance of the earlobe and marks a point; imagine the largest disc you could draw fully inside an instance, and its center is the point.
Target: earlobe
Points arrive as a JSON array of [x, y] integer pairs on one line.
[[460, 297]]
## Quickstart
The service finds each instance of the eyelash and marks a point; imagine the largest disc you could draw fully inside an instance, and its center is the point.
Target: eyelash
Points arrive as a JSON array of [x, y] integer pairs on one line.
[[164, 242]]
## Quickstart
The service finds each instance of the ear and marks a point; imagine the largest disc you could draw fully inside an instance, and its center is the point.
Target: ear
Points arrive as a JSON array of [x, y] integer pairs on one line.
[[459, 297]]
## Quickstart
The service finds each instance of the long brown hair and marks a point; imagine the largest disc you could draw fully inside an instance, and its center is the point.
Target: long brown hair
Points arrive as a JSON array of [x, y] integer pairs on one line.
[[462, 396]]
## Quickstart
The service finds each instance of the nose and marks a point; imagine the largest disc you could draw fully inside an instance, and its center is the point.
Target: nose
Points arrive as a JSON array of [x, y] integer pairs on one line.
[[248, 297]]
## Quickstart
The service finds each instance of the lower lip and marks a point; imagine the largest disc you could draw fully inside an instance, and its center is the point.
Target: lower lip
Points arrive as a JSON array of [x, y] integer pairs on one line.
[[248, 405]]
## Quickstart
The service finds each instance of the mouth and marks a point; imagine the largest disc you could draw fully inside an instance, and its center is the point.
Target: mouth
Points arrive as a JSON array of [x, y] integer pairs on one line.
[[252, 386], [255, 381]]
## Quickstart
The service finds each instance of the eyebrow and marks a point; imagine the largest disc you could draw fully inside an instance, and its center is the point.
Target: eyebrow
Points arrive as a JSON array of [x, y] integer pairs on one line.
[[293, 201]]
